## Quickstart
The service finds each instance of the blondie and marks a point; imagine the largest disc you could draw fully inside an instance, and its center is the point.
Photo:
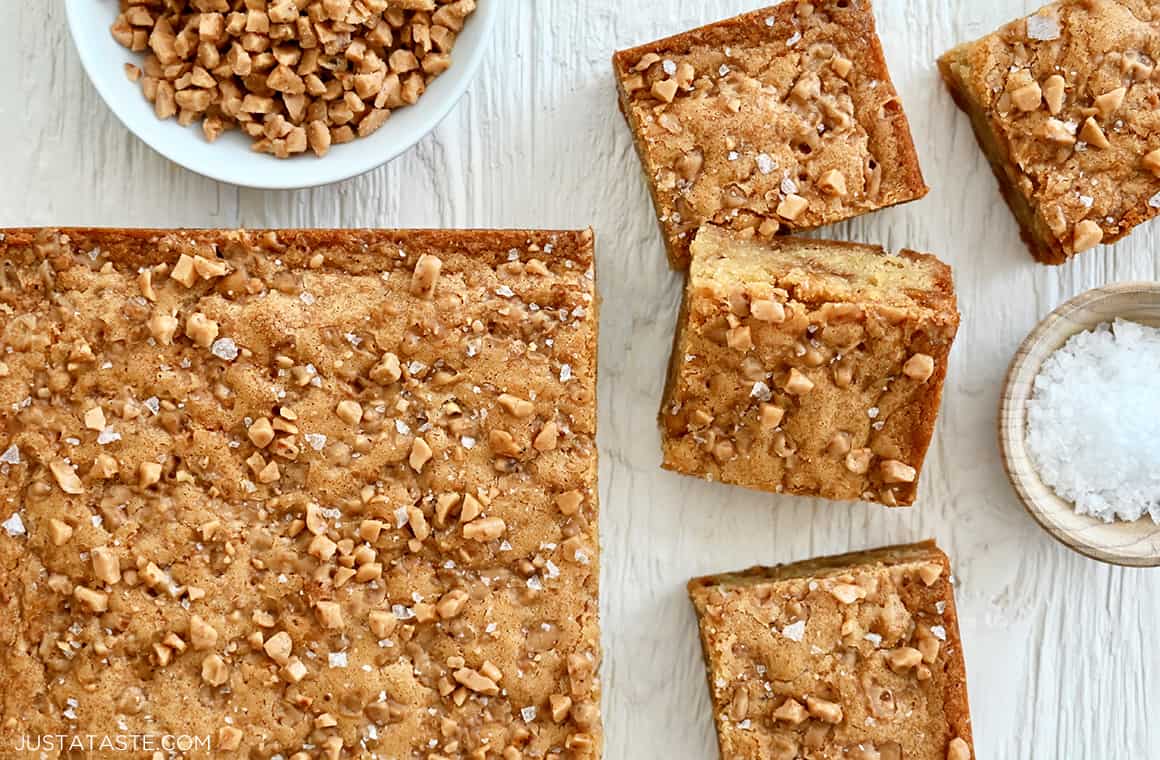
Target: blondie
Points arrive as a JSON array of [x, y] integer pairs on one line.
[[1063, 103], [808, 367], [303, 493], [855, 657], [781, 119]]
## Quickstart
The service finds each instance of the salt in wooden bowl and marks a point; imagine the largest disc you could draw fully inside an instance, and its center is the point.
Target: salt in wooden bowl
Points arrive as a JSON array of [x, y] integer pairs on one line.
[[1135, 544]]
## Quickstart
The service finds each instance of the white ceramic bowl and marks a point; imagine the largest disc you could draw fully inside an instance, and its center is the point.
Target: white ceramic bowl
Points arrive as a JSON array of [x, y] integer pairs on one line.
[[231, 159]]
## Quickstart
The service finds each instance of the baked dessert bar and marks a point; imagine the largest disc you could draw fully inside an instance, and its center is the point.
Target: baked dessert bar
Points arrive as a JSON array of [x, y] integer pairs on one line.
[[1063, 103], [301, 493], [855, 657], [808, 367], [781, 119]]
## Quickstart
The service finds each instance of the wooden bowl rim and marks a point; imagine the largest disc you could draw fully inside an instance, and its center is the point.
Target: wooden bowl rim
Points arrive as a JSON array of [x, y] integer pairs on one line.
[[1012, 425]]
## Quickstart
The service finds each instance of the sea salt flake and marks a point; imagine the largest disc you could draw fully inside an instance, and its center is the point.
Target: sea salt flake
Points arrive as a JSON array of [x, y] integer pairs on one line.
[[788, 186], [765, 163], [795, 631], [1154, 201], [528, 713], [153, 404], [108, 435], [14, 526], [337, 659], [795, 39], [224, 348], [939, 632], [669, 66], [11, 455], [874, 639], [565, 373], [316, 440], [1043, 28], [1093, 422]]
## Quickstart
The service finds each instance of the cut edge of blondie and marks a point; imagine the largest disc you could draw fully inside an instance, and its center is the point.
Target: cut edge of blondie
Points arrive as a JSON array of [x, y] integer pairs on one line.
[[954, 66]]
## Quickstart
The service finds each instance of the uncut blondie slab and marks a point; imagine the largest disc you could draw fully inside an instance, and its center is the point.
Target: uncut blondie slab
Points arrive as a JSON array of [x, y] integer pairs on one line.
[[777, 120], [1063, 103], [854, 657], [324, 494], [808, 367]]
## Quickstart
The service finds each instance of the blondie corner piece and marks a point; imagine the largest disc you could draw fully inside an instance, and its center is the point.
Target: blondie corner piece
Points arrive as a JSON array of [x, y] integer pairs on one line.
[[808, 367], [324, 492], [1063, 103], [854, 657], [781, 119]]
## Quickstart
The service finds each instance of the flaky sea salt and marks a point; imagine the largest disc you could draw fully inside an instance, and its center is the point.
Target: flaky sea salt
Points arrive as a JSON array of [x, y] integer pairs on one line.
[[14, 526], [1043, 28], [224, 348], [11, 455], [795, 631], [1094, 419]]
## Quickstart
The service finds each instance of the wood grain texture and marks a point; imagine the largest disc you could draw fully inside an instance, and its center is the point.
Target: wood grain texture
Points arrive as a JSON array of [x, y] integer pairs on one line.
[[1060, 649], [1135, 544]]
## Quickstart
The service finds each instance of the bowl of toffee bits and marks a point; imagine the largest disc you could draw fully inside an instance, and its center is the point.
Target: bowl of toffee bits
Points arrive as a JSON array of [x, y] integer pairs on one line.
[[281, 94], [1080, 424]]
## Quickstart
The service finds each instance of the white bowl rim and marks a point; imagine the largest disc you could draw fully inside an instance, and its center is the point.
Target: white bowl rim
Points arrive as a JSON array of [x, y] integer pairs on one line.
[[167, 138]]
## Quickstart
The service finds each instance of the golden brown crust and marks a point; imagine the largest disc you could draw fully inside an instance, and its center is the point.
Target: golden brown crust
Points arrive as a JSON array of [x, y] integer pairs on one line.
[[842, 630], [1065, 114], [863, 335], [291, 489], [734, 119]]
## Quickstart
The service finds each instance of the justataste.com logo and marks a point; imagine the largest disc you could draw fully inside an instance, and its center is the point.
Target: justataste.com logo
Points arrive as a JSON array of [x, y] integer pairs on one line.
[[112, 743]]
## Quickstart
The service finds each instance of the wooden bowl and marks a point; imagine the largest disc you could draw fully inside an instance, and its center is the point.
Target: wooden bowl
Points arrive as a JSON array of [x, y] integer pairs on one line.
[[1135, 544]]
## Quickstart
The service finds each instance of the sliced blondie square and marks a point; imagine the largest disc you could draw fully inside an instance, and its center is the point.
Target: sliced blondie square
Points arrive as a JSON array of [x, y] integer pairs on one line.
[[808, 367], [1063, 103], [855, 657], [777, 120]]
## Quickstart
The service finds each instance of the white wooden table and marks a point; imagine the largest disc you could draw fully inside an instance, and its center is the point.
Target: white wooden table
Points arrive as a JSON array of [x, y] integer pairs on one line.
[[1061, 650]]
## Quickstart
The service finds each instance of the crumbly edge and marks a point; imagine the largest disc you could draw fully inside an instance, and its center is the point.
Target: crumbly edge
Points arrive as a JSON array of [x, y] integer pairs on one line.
[[635, 128], [956, 703], [954, 66], [357, 252], [938, 302], [724, 32]]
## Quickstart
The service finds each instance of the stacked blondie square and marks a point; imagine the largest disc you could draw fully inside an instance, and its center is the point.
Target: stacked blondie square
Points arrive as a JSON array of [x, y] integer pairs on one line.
[[805, 367]]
